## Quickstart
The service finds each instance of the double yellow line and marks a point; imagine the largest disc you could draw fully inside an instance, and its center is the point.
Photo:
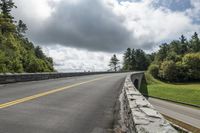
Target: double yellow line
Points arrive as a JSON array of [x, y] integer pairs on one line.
[[11, 103]]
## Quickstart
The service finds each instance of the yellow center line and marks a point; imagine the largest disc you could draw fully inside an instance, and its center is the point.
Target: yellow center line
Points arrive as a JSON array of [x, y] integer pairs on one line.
[[18, 101]]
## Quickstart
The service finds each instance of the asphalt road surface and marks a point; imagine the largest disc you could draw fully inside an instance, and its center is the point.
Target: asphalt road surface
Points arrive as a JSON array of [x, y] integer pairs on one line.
[[182, 113], [82, 104]]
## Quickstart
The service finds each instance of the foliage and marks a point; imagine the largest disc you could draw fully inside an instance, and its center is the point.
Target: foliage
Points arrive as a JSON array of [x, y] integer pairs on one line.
[[192, 63], [153, 70], [21, 28], [136, 60], [6, 7], [128, 59], [168, 70], [114, 63], [17, 54], [178, 61], [185, 92]]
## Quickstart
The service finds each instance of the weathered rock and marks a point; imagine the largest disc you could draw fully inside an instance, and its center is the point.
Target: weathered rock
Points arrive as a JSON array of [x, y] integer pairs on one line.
[[138, 115]]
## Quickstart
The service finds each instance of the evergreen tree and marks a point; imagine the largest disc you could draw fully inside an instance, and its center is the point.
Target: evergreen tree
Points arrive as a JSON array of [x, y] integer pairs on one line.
[[178, 61], [114, 63], [6, 19], [183, 39], [127, 60], [39, 53], [183, 45], [140, 60], [195, 43], [18, 54], [133, 60], [162, 53], [6, 7], [21, 28], [136, 60]]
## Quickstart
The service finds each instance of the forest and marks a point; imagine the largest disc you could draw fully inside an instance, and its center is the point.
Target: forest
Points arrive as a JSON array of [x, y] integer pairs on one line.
[[177, 61], [17, 53]]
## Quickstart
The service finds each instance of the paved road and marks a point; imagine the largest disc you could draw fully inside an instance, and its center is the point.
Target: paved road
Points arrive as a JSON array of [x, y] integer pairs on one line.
[[68, 105], [185, 114]]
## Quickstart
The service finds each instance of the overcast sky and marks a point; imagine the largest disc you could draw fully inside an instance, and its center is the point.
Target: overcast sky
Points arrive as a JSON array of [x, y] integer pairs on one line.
[[83, 34]]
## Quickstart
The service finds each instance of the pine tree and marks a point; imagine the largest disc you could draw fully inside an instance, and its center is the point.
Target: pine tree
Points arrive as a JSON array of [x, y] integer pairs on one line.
[[183, 39], [184, 45], [127, 60], [6, 19], [21, 28], [39, 53], [6, 7], [114, 63], [195, 43]]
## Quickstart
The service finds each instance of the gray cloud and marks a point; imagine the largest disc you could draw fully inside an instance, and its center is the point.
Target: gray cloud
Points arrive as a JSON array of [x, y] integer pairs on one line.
[[87, 24], [96, 26]]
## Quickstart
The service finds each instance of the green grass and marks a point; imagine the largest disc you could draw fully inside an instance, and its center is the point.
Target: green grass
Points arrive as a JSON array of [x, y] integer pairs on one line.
[[181, 92]]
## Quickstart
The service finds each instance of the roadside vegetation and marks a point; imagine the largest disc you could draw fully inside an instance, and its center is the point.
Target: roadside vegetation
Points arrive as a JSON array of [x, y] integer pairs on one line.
[[17, 53], [178, 61], [173, 72], [181, 92]]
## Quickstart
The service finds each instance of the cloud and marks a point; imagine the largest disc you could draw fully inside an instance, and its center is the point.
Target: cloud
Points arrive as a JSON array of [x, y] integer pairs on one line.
[[71, 59], [194, 11], [83, 34], [102, 25], [86, 24]]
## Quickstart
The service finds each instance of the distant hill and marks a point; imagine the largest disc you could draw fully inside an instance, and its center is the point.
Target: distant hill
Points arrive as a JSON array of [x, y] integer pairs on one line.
[[17, 53]]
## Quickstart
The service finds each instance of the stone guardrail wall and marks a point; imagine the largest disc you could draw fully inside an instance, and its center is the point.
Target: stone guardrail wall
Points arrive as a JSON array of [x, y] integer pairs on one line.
[[23, 77], [137, 114]]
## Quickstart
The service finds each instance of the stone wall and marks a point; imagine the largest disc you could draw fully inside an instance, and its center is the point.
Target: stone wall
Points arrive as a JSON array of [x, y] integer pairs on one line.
[[23, 77], [137, 114]]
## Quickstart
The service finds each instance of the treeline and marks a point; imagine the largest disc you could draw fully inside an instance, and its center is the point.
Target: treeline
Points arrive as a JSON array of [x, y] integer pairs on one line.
[[133, 60], [178, 61], [136, 60], [17, 53]]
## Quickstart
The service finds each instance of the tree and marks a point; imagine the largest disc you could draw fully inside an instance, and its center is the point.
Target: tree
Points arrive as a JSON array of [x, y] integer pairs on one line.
[[192, 62], [133, 60], [136, 60], [18, 54], [3, 67], [178, 61], [127, 60], [183, 39], [114, 63], [6, 7], [21, 28], [162, 53], [141, 62], [6, 26], [39, 53], [168, 71], [195, 43], [153, 70], [182, 72]]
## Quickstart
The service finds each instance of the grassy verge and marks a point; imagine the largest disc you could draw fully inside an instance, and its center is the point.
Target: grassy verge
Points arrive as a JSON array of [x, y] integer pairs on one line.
[[187, 93]]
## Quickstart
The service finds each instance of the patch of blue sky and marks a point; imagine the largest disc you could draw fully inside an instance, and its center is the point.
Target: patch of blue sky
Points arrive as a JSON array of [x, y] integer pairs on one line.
[[174, 5]]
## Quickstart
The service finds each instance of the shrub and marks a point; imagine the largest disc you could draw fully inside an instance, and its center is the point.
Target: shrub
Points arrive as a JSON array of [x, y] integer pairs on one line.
[[168, 71], [182, 71], [192, 62], [153, 70]]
